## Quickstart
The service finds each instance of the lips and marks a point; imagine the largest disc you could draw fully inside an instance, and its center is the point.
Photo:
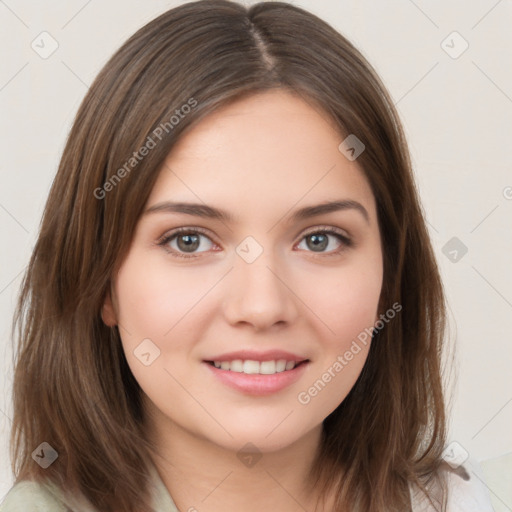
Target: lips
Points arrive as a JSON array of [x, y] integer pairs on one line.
[[252, 355], [258, 384], [258, 373]]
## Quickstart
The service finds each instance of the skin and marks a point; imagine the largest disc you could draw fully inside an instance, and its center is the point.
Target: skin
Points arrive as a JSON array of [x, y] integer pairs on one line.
[[260, 158]]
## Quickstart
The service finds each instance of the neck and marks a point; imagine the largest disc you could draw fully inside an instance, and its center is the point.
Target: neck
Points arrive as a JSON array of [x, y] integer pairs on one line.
[[201, 475]]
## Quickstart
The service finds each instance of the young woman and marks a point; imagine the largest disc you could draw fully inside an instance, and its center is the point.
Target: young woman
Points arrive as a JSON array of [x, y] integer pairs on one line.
[[233, 303]]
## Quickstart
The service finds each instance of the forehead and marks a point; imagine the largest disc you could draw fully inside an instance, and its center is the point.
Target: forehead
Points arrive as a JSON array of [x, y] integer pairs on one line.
[[267, 151]]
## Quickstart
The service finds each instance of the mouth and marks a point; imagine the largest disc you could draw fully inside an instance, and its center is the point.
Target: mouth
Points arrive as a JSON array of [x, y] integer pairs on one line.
[[253, 367], [257, 378]]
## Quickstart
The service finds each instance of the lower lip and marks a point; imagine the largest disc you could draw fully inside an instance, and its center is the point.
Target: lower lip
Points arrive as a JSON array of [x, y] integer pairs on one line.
[[257, 384]]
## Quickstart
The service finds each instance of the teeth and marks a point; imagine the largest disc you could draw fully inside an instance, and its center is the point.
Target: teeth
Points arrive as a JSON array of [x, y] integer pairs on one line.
[[290, 365], [280, 365], [252, 367], [268, 367]]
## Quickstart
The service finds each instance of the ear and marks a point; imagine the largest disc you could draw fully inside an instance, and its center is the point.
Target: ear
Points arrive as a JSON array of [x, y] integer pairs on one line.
[[108, 313]]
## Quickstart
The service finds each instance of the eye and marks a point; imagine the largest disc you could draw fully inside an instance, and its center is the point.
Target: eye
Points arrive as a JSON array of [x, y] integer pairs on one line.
[[326, 238], [185, 242]]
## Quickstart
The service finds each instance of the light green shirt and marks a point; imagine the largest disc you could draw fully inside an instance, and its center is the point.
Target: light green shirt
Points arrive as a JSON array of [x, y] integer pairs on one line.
[[26, 496], [29, 496], [498, 476]]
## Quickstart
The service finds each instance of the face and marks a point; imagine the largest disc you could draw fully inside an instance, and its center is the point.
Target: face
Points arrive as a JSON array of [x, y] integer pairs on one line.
[[251, 278]]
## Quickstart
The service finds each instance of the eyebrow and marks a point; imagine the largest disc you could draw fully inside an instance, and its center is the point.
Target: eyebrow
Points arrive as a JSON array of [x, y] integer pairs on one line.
[[203, 210]]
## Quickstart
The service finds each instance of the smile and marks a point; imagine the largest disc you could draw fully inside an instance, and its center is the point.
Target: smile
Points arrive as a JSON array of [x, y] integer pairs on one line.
[[249, 377], [249, 366]]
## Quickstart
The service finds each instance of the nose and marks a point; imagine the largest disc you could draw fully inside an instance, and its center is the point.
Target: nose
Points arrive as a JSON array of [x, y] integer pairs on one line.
[[260, 294]]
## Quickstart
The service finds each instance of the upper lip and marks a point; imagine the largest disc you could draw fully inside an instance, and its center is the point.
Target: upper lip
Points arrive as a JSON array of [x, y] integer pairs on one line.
[[269, 355]]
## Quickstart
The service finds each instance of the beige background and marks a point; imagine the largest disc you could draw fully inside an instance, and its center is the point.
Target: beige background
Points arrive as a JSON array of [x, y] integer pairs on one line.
[[457, 113]]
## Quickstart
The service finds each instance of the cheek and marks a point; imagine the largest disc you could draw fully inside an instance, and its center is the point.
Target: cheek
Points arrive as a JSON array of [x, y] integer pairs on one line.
[[167, 307], [346, 301], [154, 306], [349, 311], [354, 308], [155, 300]]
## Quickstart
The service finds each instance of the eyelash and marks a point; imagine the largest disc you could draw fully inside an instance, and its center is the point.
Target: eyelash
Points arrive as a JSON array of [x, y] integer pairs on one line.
[[324, 230]]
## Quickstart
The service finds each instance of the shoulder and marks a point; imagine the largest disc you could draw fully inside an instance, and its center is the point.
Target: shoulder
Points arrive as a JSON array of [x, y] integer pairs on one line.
[[29, 495], [498, 476], [466, 491]]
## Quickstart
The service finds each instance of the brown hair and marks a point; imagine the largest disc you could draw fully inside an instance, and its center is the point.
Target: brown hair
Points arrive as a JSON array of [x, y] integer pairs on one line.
[[72, 385]]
